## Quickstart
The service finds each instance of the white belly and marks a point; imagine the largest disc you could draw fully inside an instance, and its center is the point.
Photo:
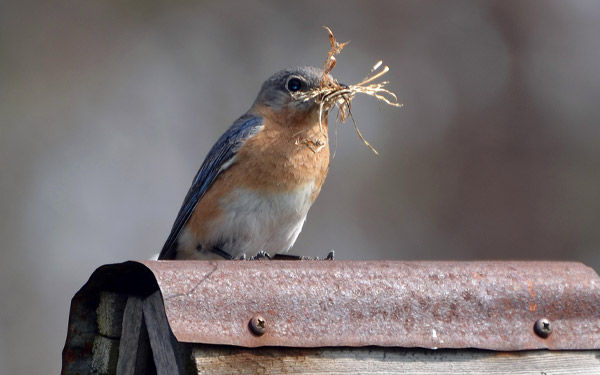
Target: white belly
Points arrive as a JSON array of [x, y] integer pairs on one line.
[[252, 223]]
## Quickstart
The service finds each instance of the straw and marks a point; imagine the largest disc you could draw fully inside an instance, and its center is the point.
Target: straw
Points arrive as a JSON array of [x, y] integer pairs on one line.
[[332, 93]]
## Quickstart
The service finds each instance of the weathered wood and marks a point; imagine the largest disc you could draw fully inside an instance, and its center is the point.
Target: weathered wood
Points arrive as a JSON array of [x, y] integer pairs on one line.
[[83, 328], [144, 362], [110, 313], [105, 352], [134, 351], [165, 349], [217, 360]]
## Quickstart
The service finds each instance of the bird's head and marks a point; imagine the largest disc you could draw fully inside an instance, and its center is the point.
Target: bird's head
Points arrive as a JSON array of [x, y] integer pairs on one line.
[[291, 89]]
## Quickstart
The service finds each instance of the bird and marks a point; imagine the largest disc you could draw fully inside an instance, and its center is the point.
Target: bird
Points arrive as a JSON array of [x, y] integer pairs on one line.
[[254, 189]]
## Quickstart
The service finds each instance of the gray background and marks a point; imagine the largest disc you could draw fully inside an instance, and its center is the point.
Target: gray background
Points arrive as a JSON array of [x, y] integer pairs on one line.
[[108, 108]]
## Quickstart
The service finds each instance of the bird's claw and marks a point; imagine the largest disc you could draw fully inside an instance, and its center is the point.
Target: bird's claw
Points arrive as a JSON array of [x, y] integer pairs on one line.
[[261, 255]]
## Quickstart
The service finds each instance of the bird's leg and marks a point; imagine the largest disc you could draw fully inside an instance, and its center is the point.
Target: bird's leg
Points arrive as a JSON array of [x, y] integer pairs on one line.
[[222, 253]]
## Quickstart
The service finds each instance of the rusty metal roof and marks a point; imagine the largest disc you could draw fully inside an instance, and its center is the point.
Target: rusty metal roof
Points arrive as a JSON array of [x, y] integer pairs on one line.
[[484, 305]]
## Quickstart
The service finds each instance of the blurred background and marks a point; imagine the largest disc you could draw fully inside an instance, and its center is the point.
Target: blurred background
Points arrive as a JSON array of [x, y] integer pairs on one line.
[[108, 108]]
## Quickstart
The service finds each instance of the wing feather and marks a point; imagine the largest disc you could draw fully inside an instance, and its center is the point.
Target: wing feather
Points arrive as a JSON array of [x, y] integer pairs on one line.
[[220, 155]]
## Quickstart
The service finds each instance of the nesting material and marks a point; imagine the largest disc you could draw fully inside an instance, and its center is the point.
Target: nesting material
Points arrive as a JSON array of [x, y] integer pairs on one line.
[[331, 93]]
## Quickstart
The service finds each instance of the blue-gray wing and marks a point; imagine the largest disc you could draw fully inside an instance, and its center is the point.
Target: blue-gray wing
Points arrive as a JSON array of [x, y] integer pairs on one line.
[[226, 147]]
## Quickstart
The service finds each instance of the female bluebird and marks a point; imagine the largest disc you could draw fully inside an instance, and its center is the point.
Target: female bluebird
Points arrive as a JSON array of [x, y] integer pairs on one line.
[[253, 191]]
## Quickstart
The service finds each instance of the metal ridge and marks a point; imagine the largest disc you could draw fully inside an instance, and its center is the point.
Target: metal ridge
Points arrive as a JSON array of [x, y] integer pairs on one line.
[[485, 305]]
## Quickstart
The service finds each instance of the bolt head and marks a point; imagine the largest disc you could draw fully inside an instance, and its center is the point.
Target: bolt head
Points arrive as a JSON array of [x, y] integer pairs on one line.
[[258, 325], [543, 328]]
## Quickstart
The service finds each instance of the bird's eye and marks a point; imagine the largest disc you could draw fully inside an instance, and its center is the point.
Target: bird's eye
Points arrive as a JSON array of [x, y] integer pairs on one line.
[[294, 84]]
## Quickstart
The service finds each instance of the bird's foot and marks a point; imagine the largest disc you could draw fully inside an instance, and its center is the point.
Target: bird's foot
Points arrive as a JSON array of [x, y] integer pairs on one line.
[[329, 256], [261, 255]]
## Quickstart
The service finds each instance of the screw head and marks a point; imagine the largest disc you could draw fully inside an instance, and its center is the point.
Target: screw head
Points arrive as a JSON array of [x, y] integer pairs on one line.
[[543, 328], [258, 325]]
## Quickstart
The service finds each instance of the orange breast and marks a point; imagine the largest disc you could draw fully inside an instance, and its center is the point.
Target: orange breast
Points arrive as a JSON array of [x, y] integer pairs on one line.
[[289, 152]]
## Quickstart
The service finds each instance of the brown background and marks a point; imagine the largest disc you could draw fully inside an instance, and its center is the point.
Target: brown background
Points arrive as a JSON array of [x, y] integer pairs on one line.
[[108, 108]]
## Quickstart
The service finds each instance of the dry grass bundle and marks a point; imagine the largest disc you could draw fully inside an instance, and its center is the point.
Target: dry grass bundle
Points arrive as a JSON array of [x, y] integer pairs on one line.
[[332, 93]]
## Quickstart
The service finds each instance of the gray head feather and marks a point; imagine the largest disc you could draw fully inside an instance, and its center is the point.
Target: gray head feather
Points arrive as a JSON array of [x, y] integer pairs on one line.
[[276, 92]]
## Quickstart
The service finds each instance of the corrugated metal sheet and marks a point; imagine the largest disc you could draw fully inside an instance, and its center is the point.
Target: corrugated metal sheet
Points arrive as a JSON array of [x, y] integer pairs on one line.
[[485, 305], [504, 306]]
